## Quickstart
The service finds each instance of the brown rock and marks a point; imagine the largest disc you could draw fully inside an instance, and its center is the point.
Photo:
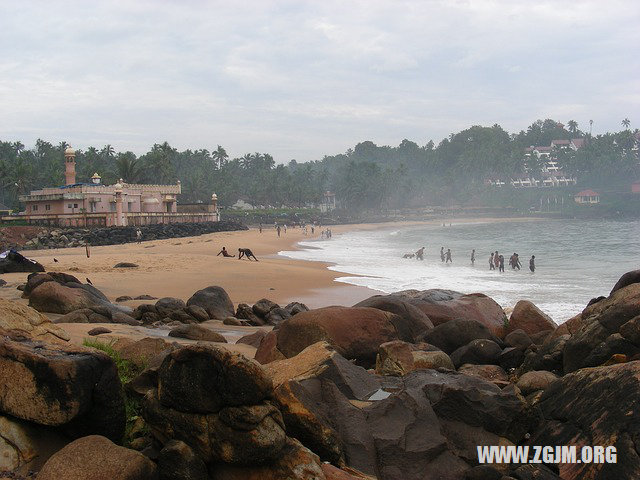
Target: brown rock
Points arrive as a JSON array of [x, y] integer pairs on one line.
[[268, 351], [98, 331], [197, 312], [232, 321], [205, 378], [56, 298], [295, 463], [431, 360], [96, 458], [215, 301], [253, 339], [356, 332], [334, 473], [197, 332], [535, 380], [178, 462], [444, 305], [414, 322], [526, 316], [141, 352], [493, 373], [29, 322], [61, 385], [398, 358]]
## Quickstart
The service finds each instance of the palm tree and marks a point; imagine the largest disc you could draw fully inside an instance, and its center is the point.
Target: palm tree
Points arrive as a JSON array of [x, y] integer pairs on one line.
[[220, 156], [590, 126], [108, 151], [626, 123], [128, 167], [573, 126]]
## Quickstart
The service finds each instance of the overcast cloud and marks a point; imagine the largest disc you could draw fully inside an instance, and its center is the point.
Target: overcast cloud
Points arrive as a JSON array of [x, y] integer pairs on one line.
[[303, 79]]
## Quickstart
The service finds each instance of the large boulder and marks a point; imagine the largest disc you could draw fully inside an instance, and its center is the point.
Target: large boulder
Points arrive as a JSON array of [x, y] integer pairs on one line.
[[356, 332], [413, 319], [167, 305], [143, 352], [177, 461], [526, 316], [215, 301], [626, 280], [96, 458], [15, 262], [442, 306], [399, 358], [28, 321], [477, 352], [594, 406], [54, 297], [456, 333], [59, 385], [204, 378], [535, 380]]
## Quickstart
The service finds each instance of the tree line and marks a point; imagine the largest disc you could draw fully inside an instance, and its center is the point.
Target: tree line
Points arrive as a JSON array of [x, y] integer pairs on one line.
[[367, 176]]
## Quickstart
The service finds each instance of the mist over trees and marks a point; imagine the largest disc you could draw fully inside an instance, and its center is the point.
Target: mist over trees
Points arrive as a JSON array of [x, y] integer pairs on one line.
[[366, 177]]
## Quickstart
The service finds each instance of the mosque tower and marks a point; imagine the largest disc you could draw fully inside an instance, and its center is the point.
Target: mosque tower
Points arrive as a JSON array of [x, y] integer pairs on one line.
[[70, 166]]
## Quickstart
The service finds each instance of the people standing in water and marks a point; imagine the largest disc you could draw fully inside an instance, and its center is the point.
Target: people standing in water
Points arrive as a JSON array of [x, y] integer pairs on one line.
[[496, 259], [420, 253], [517, 263], [492, 265], [473, 257], [442, 254], [449, 256], [501, 263], [532, 263]]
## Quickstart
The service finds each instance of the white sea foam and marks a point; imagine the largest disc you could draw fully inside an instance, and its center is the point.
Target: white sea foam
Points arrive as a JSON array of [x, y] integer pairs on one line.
[[576, 260]]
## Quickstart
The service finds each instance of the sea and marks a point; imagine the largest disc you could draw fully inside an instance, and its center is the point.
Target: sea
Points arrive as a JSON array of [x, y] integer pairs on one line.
[[576, 260]]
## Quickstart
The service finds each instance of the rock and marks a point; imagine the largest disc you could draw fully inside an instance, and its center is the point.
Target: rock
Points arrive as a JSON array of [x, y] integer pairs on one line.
[[477, 352], [199, 313], [625, 280], [548, 357], [511, 357], [399, 358], [457, 333], [276, 316], [442, 306], [295, 463], [264, 306], [334, 473], [245, 312], [526, 316], [518, 338], [98, 331], [268, 349], [204, 378], [215, 301], [124, 298], [296, 307], [232, 321], [492, 373], [253, 339], [61, 385], [26, 446], [94, 458], [630, 330], [167, 305], [535, 380], [142, 352], [29, 322], [178, 462], [15, 262], [2, 282], [584, 408], [144, 297], [181, 316], [197, 332], [356, 332], [56, 298], [244, 435], [416, 321], [125, 265]]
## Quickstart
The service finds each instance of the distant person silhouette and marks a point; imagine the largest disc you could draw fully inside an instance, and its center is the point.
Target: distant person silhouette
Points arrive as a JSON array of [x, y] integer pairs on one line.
[[532, 263], [473, 257], [492, 265], [419, 254], [449, 256], [247, 253], [442, 254], [501, 263]]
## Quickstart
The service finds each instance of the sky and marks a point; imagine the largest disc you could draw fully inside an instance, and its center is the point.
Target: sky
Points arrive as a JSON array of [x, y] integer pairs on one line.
[[303, 79]]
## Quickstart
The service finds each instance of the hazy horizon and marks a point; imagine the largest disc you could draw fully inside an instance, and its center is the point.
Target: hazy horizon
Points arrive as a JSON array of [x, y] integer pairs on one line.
[[300, 80]]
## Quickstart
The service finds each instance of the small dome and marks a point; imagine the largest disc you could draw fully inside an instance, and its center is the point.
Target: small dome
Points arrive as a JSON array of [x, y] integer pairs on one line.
[[95, 175], [214, 197], [69, 151]]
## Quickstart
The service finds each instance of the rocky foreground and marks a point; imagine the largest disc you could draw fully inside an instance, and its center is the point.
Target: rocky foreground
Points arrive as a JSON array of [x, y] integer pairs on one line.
[[397, 387]]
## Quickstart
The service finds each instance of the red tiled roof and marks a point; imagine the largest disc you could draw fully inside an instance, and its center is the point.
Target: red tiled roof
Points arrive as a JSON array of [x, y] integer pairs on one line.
[[543, 149], [560, 142], [578, 142], [587, 193]]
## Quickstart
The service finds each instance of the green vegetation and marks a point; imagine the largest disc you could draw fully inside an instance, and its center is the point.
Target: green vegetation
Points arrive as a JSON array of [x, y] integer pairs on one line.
[[367, 177], [127, 371]]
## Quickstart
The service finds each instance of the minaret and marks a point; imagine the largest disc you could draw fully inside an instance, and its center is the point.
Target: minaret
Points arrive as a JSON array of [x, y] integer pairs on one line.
[[118, 191], [70, 166]]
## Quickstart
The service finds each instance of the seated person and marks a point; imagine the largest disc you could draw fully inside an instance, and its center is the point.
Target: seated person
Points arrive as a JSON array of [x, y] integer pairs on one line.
[[224, 253]]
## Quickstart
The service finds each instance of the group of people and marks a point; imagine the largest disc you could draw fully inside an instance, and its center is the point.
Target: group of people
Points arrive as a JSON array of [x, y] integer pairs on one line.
[[325, 233], [496, 261], [242, 252]]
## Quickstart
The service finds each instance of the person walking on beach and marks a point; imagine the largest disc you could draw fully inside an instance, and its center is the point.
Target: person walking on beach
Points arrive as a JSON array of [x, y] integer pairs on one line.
[[285, 228], [501, 263], [442, 254], [247, 253], [492, 265], [532, 263], [449, 256], [278, 230], [224, 253], [473, 257], [260, 227], [419, 254], [138, 235]]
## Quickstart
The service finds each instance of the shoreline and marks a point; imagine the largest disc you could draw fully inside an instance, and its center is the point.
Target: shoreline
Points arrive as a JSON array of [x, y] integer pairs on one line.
[[178, 267]]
